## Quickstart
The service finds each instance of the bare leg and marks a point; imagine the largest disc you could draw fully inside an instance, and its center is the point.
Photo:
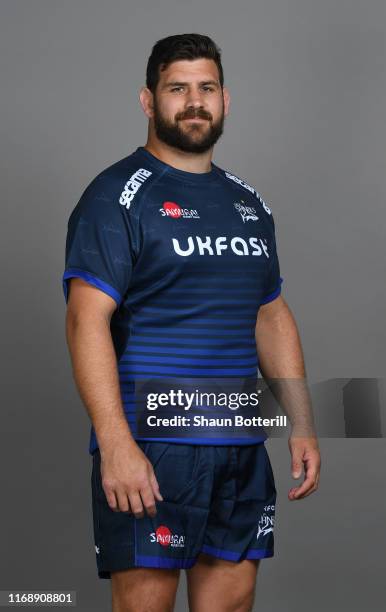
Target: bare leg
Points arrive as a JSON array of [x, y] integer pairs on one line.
[[141, 589], [216, 585]]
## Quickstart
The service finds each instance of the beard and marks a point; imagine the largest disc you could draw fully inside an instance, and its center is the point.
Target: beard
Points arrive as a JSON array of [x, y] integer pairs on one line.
[[195, 137]]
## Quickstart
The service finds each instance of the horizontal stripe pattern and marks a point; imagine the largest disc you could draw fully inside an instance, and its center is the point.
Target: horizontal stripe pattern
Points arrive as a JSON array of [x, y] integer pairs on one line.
[[193, 329], [199, 361]]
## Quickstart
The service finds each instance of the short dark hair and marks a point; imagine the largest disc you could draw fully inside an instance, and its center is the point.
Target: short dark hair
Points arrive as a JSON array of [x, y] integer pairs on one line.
[[180, 47]]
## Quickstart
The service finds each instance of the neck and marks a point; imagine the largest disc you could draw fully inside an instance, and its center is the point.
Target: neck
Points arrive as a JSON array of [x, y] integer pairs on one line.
[[189, 162]]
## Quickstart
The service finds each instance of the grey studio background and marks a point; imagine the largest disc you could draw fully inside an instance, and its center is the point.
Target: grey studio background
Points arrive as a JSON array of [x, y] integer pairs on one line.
[[306, 128]]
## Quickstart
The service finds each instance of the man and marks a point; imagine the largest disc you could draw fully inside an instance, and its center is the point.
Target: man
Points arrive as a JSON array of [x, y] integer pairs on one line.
[[172, 273]]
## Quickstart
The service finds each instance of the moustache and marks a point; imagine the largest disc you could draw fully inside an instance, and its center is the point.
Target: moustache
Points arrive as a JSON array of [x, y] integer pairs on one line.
[[200, 114]]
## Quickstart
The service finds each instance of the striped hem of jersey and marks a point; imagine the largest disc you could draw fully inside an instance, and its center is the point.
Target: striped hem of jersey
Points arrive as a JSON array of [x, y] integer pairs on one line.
[[273, 295], [193, 441], [92, 280]]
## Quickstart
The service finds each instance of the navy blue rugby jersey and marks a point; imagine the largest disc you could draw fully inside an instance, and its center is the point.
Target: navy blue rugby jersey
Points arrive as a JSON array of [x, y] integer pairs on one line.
[[189, 258]]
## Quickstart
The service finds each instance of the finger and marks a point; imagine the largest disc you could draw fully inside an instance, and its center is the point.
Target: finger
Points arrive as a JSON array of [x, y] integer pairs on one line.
[[312, 490], [123, 502], [136, 505], [306, 485], [148, 500], [310, 483], [296, 463], [155, 487], [111, 499]]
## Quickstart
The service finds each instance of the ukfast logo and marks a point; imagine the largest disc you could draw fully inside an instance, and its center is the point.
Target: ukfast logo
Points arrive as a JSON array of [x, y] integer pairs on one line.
[[248, 213], [215, 246], [133, 184]]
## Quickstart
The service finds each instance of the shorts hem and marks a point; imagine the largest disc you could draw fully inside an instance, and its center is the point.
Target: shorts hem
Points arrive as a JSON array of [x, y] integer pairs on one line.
[[164, 562], [169, 563], [230, 555], [150, 561]]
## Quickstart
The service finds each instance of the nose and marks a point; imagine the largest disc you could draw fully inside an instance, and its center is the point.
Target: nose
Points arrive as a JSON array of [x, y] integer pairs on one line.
[[194, 98]]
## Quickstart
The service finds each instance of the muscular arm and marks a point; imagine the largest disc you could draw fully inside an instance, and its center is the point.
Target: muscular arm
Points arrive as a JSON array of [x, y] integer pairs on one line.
[[127, 476], [278, 342], [93, 359], [281, 363]]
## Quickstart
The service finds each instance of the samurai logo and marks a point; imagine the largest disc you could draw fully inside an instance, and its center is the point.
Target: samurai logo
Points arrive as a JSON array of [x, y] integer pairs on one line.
[[266, 523], [174, 210], [248, 213], [165, 537]]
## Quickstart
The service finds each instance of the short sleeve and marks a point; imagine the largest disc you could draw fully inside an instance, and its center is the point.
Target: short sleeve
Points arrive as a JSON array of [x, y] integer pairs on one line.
[[274, 280], [101, 242]]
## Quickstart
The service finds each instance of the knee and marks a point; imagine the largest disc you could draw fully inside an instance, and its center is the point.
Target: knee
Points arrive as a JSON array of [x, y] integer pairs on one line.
[[242, 600], [143, 590], [142, 602]]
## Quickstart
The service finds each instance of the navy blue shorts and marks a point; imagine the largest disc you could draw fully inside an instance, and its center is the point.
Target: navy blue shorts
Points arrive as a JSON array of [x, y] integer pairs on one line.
[[219, 500]]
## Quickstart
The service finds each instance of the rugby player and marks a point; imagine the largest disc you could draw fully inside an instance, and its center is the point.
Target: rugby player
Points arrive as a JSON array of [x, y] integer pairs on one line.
[[172, 272]]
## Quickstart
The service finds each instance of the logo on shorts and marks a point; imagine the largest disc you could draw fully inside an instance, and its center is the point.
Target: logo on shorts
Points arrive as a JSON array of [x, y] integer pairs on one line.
[[174, 210], [165, 537], [97, 550], [266, 522], [248, 213]]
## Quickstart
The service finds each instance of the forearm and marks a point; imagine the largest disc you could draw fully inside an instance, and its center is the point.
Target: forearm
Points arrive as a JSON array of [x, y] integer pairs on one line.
[[278, 345], [95, 372], [281, 363]]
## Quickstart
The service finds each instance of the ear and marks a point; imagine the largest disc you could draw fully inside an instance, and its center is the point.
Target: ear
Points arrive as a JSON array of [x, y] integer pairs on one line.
[[146, 101], [226, 99]]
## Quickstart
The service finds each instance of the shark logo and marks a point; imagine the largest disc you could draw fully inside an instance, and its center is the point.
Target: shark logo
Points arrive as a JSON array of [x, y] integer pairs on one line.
[[266, 524], [248, 213]]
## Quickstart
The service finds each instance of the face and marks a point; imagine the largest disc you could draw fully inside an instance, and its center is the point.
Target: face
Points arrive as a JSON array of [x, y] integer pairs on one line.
[[189, 105]]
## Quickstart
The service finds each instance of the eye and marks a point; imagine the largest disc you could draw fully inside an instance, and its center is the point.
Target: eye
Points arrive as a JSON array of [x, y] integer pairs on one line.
[[208, 88], [176, 88]]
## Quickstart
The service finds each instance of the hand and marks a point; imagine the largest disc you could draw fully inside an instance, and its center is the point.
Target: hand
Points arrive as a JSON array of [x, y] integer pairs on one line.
[[128, 480], [304, 451]]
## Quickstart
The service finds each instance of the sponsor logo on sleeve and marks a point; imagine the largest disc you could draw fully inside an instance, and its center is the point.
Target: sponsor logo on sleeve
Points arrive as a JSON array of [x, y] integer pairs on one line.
[[133, 184]]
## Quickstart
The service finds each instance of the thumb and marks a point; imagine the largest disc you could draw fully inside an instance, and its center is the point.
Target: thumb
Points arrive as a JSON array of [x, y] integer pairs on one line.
[[296, 465]]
